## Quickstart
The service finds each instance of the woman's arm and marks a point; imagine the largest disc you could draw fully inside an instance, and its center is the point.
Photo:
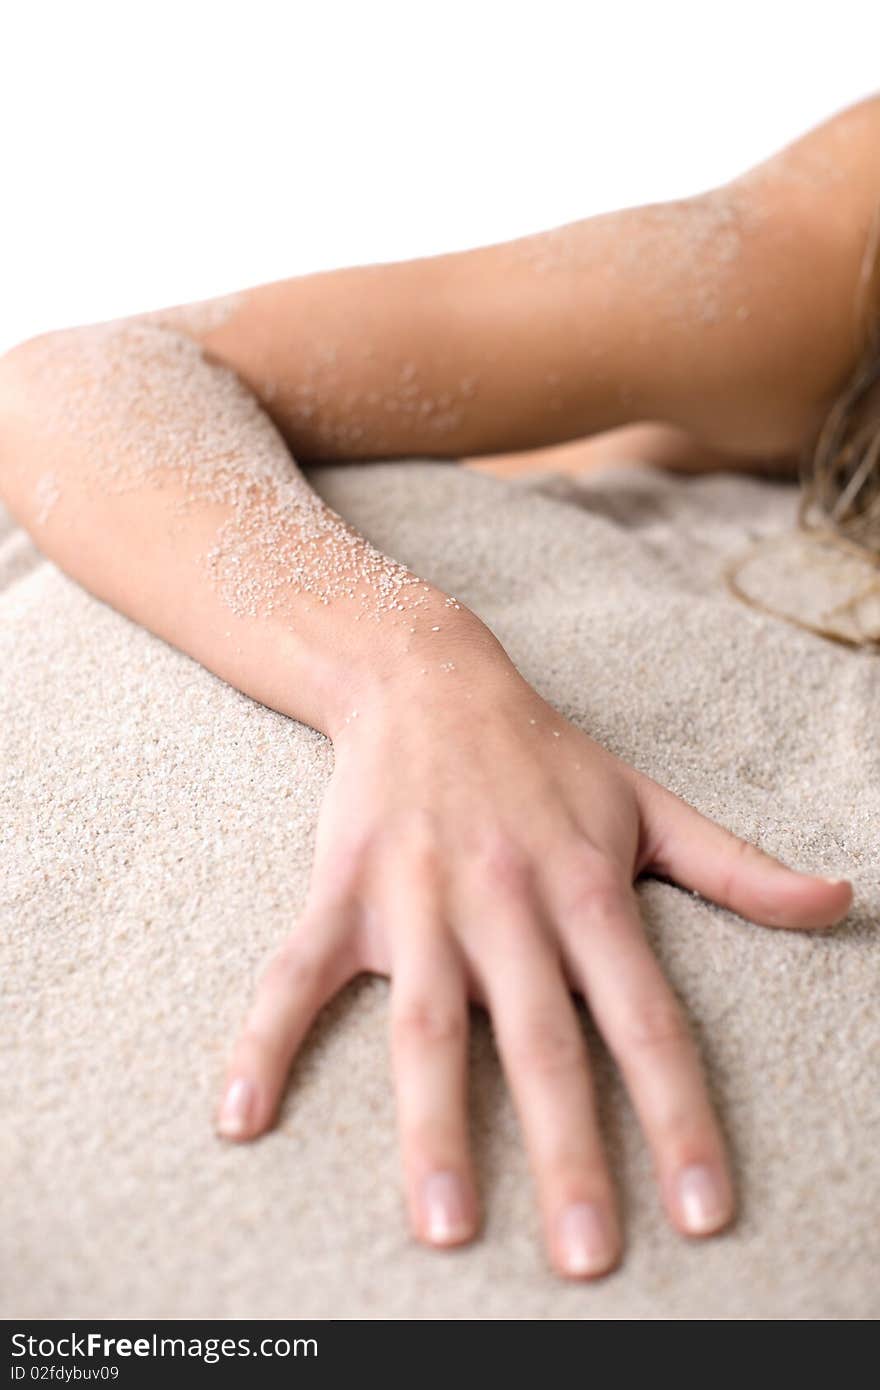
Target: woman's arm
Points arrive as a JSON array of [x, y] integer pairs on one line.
[[732, 316], [151, 474], [472, 844], [663, 446]]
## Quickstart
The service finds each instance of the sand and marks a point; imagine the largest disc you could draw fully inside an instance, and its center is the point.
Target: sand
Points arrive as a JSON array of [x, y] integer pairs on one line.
[[157, 828]]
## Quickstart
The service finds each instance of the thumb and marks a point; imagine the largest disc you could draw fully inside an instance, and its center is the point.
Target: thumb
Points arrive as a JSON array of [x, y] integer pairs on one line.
[[688, 847]]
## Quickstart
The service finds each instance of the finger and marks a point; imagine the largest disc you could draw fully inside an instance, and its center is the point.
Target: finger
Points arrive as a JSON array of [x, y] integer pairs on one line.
[[544, 1056], [702, 855], [645, 1029], [429, 1029], [311, 966]]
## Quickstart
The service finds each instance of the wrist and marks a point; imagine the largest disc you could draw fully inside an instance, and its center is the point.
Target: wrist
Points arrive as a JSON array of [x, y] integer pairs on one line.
[[440, 656]]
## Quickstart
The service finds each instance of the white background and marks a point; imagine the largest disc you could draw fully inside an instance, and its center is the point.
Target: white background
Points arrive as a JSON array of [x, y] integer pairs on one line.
[[154, 153]]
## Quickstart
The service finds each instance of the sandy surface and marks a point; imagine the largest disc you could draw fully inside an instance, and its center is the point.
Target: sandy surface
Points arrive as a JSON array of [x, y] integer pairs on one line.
[[156, 833]]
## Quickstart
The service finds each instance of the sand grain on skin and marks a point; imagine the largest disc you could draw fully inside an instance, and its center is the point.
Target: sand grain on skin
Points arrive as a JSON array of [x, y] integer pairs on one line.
[[150, 410]]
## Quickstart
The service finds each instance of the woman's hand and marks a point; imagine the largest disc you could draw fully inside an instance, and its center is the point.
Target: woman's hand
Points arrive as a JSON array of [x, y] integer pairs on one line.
[[472, 843]]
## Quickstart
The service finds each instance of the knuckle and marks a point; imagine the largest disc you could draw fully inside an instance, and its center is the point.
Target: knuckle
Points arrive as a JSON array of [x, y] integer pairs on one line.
[[548, 1046], [429, 1142], [743, 856], [423, 860], [501, 861], [427, 1023], [412, 846], [575, 1175], [597, 891], [655, 1024], [255, 1046], [684, 1131], [339, 863], [419, 829], [297, 966]]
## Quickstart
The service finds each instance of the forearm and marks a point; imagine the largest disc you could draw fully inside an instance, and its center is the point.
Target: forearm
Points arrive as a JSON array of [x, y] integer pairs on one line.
[[153, 477]]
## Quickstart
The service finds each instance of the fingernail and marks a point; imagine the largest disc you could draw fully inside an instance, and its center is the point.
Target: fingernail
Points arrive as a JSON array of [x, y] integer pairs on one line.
[[702, 1199], [445, 1206], [835, 882], [584, 1239], [235, 1111]]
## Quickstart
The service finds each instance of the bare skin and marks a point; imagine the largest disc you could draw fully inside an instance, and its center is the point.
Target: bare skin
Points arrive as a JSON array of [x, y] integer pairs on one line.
[[730, 316], [664, 446], [472, 843]]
